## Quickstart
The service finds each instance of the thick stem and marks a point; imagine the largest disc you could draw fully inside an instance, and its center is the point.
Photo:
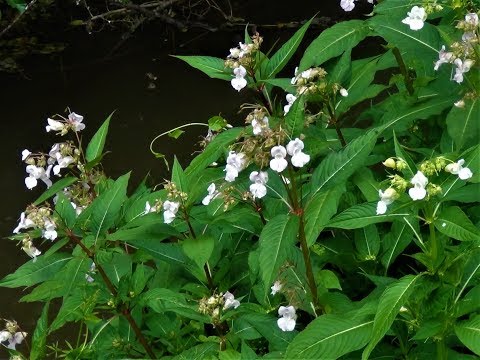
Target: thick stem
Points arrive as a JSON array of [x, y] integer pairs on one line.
[[442, 350], [111, 287], [403, 69]]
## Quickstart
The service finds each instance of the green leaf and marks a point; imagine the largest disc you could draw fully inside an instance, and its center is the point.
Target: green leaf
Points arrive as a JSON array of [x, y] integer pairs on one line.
[[472, 161], [361, 215], [212, 152], [455, 223], [276, 242], [367, 242], [392, 299], [171, 253], [154, 231], [411, 169], [337, 167], [466, 194], [39, 338], [175, 134], [211, 66], [20, 5], [282, 56], [105, 209], [65, 210], [199, 249], [282, 83], [247, 352], [217, 123], [343, 69], [330, 337], [178, 176], [54, 189], [333, 42], [463, 125], [295, 118], [33, 272], [70, 310], [395, 242], [319, 210], [469, 333], [96, 145], [328, 279], [115, 266]]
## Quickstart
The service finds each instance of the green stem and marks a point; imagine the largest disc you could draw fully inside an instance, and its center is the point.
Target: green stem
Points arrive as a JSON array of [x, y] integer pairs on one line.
[[169, 131], [334, 121], [403, 69], [442, 350]]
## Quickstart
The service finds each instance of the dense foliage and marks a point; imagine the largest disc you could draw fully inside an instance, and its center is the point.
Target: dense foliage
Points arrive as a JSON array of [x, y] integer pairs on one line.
[[340, 223]]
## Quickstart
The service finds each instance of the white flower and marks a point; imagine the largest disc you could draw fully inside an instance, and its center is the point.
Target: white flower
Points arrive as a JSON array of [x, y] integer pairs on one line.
[[443, 58], [235, 163], [230, 301], [288, 318], [88, 277], [234, 53], [276, 287], [386, 198], [290, 100], [258, 188], [472, 19], [17, 338], [294, 149], [347, 5], [54, 125], [4, 336], [370, 1], [49, 231], [231, 173], [150, 209], [419, 182], [24, 223], [212, 194], [469, 36], [239, 82], [343, 92], [35, 173], [259, 126], [278, 163], [63, 163], [25, 153], [459, 104], [294, 78], [30, 250], [307, 74], [464, 173], [415, 18], [462, 67], [75, 121], [171, 208]]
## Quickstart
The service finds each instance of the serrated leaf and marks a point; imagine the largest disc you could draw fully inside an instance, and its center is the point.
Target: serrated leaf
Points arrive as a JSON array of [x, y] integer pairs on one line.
[[54, 189], [211, 66], [178, 176], [171, 253], [469, 333], [39, 338], [319, 210], [333, 42], [392, 299], [275, 245], [342, 71], [455, 223], [466, 194], [70, 310], [33, 272], [295, 118], [328, 279], [463, 125], [65, 210], [367, 242], [199, 249], [96, 145], [282, 56], [395, 242], [338, 166], [330, 337]]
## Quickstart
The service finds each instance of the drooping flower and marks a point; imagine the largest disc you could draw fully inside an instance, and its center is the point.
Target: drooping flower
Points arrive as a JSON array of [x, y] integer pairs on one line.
[[386, 198], [288, 318], [49, 232], [290, 100], [278, 163], [415, 18], [276, 287], [461, 68], [235, 164], [294, 149], [239, 82], [212, 194], [230, 301], [259, 126], [37, 173], [258, 188], [30, 249], [419, 182], [75, 120], [24, 223], [54, 125], [444, 57], [347, 5], [63, 162], [170, 210], [456, 168], [25, 153]]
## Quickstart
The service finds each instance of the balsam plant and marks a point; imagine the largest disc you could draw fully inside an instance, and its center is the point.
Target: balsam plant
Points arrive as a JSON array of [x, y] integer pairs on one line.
[[341, 222]]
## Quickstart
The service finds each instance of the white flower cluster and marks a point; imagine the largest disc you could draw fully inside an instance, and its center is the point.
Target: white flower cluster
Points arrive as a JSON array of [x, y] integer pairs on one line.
[[415, 18], [39, 218], [237, 54], [294, 149], [290, 100], [10, 337], [235, 164], [72, 122], [288, 318], [349, 5]]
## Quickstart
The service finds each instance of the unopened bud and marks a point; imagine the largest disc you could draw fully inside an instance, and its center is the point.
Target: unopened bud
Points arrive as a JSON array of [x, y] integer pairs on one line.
[[390, 163], [401, 165]]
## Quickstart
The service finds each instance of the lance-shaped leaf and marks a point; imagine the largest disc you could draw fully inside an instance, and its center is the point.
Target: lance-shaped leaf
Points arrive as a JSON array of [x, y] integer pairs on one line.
[[295, 118], [333, 42], [392, 299], [55, 188], [178, 176], [211, 66], [463, 124], [395, 242], [319, 211], [410, 169], [282, 56], [455, 223], [338, 166], [469, 333], [276, 243], [367, 242], [330, 337], [39, 338], [96, 145]]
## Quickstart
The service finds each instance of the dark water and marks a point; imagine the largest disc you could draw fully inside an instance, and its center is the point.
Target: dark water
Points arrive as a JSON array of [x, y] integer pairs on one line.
[[94, 88]]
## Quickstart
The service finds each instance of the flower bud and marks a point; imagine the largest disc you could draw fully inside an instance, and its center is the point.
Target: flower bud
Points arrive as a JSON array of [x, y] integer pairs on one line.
[[390, 163], [401, 164]]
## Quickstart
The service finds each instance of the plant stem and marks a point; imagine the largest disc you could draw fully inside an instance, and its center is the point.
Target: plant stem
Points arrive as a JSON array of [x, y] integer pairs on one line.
[[334, 121], [111, 287], [441, 350], [403, 70]]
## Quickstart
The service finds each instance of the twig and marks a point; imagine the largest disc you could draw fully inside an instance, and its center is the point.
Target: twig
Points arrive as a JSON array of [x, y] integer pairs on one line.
[[18, 17]]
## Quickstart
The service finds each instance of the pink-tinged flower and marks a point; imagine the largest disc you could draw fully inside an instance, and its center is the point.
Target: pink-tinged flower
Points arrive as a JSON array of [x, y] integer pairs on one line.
[[415, 18], [276, 287], [461, 68], [443, 58], [472, 19], [75, 121], [278, 163]]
